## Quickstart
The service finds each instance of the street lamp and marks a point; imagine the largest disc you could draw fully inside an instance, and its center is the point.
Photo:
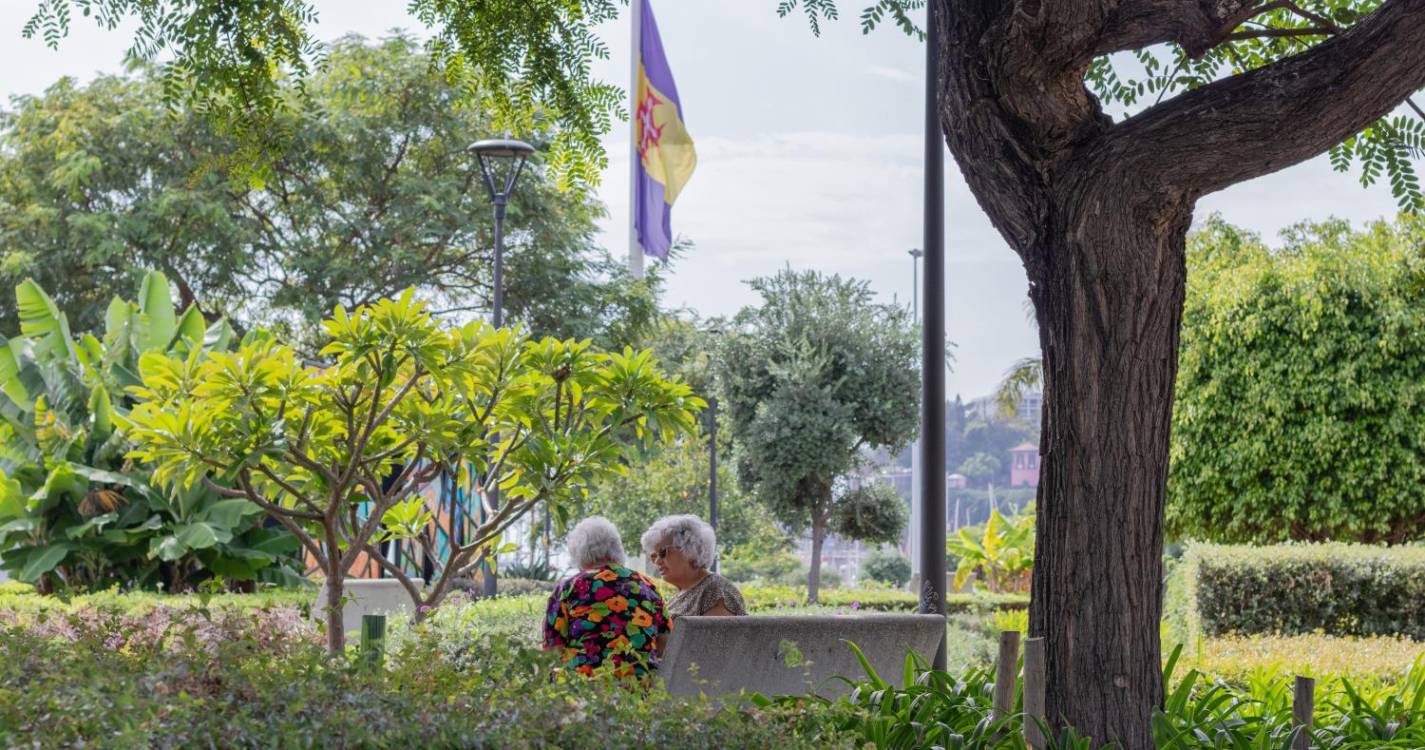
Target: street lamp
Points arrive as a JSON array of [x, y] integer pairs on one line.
[[501, 158], [501, 162]]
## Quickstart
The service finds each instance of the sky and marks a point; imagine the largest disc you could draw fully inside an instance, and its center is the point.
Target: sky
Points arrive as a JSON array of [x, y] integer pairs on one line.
[[808, 156]]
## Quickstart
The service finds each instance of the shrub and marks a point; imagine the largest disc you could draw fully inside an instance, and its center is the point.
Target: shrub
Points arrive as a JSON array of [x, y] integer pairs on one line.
[[75, 514], [1301, 379], [922, 708], [1001, 554], [1242, 659], [752, 563], [887, 566], [875, 600], [251, 691], [1337, 589]]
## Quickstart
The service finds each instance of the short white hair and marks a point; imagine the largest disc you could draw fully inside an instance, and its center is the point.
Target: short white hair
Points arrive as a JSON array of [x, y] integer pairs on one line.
[[595, 540], [688, 534]]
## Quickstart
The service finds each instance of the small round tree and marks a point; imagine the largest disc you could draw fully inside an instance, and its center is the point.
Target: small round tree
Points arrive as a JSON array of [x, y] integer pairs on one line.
[[887, 566], [337, 452], [814, 375]]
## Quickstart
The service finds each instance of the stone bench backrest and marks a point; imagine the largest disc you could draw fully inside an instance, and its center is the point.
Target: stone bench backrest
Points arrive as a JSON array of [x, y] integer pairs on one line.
[[791, 655]]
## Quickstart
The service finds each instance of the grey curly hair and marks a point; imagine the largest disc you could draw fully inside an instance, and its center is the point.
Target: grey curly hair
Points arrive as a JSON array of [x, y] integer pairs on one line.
[[595, 540], [688, 534]]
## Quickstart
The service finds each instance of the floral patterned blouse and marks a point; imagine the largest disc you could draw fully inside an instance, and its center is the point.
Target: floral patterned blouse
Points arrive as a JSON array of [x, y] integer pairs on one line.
[[606, 613]]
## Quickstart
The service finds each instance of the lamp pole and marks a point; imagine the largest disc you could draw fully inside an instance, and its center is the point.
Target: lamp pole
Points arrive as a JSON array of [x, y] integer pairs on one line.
[[513, 155], [916, 511], [915, 254], [932, 407], [712, 468]]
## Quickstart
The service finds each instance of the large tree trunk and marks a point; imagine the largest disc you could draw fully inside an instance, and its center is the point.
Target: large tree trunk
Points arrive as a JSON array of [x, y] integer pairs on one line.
[[1109, 301], [1097, 210]]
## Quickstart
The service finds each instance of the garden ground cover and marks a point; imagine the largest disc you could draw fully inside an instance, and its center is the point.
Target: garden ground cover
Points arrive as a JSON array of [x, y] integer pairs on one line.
[[143, 670]]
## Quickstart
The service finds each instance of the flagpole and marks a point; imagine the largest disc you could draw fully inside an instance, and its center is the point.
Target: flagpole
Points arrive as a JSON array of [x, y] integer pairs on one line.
[[635, 251]]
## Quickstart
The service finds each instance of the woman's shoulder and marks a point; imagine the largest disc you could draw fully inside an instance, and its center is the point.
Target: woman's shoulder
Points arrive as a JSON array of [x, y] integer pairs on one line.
[[717, 588]]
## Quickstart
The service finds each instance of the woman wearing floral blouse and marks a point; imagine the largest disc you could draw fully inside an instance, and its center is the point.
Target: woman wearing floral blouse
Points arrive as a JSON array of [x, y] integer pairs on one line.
[[607, 613]]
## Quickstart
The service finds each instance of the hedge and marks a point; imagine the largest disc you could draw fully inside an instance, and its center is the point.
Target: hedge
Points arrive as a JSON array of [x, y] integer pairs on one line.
[[875, 600], [1364, 661], [1294, 589]]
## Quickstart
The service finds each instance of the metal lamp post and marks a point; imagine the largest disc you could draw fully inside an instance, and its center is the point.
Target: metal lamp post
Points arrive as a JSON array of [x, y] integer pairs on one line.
[[712, 457], [512, 155], [932, 331], [712, 468], [915, 255], [916, 511]]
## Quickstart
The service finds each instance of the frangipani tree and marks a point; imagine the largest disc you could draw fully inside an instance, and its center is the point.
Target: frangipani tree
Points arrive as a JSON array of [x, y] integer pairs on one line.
[[336, 452]]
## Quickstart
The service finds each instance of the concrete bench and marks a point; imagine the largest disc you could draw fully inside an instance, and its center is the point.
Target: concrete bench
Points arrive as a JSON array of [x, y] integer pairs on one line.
[[367, 596], [791, 655]]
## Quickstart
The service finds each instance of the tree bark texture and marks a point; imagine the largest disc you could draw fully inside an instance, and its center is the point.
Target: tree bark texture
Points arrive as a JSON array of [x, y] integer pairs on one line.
[[818, 537], [336, 628], [1098, 212]]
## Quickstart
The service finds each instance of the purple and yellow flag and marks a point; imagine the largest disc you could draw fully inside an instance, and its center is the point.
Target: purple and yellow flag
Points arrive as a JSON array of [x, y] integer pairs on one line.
[[665, 150]]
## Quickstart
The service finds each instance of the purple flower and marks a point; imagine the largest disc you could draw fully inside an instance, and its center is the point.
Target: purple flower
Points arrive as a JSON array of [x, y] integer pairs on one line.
[[855, 605]]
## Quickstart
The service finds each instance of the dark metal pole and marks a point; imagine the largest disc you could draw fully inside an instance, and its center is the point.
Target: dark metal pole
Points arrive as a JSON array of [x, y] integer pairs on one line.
[[712, 467], [932, 409], [500, 200]]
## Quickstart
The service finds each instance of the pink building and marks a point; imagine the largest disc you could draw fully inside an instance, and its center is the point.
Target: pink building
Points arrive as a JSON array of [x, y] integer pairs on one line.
[[1024, 465]]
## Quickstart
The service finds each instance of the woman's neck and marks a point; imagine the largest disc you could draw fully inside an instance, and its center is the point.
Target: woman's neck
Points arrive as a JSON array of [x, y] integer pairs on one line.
[[695, 580]]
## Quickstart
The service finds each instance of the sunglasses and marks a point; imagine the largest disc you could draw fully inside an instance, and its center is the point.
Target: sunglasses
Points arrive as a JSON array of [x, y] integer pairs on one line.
[[659, 554]]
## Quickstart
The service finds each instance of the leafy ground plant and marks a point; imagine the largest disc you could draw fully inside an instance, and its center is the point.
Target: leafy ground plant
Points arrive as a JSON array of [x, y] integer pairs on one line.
[[249, 691], [74, 512]]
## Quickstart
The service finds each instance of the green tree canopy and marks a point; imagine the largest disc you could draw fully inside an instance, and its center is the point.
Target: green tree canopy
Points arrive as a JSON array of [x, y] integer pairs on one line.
[[337, 453], [374, 191], [811, 377], [980, 468], [1301, 386], [673, 479]]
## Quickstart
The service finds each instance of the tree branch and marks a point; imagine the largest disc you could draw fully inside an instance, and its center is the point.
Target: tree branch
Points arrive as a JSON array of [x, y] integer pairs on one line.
[[284, 516], [1232, 130], [1276, 33]]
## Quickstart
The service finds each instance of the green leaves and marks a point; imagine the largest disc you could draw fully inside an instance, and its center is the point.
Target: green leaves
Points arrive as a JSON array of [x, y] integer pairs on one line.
[[406, 519], [399, 396], [156, 307], [1302, 372], [1140, 78], [42, 323], [73, 490], [1002, 553]]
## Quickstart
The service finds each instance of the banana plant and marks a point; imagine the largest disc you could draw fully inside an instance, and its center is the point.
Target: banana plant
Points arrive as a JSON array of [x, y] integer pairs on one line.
[[74, 511], [1003, 554]]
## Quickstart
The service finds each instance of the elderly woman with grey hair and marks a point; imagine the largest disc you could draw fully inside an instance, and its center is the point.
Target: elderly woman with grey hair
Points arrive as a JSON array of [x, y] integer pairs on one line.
[[606, 615], [683, 549]]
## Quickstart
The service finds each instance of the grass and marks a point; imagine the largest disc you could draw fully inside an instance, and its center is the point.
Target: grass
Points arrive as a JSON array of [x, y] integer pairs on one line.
[[1238, 659]]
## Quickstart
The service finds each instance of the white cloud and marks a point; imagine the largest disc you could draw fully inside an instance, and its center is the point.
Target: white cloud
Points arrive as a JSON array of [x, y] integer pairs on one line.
[[894, 74]]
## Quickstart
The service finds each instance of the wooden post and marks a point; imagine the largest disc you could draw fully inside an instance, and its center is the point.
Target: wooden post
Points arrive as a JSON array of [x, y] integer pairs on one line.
[[1034, 693], [373, 640], [1005, 671], [1303, 705]]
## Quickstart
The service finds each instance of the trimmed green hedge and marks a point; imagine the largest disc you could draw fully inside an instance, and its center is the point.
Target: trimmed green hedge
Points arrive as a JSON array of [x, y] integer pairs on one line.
[[1290, 589], [875, 600]]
